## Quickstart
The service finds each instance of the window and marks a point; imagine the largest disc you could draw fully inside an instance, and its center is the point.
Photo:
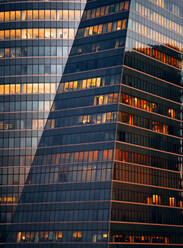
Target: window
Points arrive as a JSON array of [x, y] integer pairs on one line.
[[18, 15], [29, 14], [155, 199], [77, 235], [7, 16], [171, 113], [172, 201], [59, 236], [12, 15]]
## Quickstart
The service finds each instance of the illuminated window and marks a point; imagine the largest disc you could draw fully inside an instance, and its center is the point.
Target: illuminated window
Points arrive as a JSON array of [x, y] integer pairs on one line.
[[100, 29], [1, 16], [18, 34], [12, 34], [172, 201], [41, 14], [59, 33], [59, 236], [171, 113], [12, 89], [29, 88], [47, 88], [124, 24], [156, 199], [7, 16], [59, 15], [47, 14], [19, 237], [36, 33], [24, 34], [1, 35], [29, 34], [24, 15], [18, 89], [35, 14], [23, 238], [77, 235], [98, 100], [41, 33], [7, 34], [126, 118], [1, 89], [65, 15], [77, 14], [53, 14], [29, 14], [53, 33], [6, 89], [109, 28], [119, 24], [53, 88], [12, 15], [18, 15]]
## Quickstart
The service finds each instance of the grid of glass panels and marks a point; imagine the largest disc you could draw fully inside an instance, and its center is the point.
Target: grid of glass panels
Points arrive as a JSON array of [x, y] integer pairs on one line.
[[35, 41], [108, 168], [66, 199], [147, 197]]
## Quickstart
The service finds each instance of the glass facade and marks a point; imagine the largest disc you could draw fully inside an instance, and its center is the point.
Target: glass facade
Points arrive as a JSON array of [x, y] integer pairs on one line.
[[35, 41], [147, 197], [106, 169]]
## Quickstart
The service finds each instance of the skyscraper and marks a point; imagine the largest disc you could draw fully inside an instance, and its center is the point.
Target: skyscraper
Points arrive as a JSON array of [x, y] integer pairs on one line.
[[107, 171], [35, 40]]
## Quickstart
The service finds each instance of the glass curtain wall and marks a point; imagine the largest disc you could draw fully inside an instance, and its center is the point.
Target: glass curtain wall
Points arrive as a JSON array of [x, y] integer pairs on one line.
[[147, 196], [66, 198], [35, 41], [108, 168]]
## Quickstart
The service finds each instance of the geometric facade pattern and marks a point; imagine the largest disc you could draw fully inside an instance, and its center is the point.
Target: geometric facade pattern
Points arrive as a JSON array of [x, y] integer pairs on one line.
[[108, 170]]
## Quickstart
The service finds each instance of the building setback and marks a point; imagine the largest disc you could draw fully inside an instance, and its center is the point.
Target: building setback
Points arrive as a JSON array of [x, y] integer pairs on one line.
[[107, 171]]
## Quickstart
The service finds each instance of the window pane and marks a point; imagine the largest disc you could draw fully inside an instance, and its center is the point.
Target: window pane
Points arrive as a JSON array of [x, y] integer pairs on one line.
[[59, 33], [35, 33], [59, 15], [65, 15], [6, 16], [47, 14], [12, 15], [29, 14], [18, 34], [1, 16], [18, 15], [12, 34], [47, 33], [53, 33], [29, 33], [35, 14], [7, 34], [41, 14], [23, 15], [1, 35], [53, 14], [41, 33]]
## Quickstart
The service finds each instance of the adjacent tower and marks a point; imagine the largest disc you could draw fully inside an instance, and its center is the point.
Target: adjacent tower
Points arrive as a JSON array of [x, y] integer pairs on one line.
[[108, 168], [35, 40]]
